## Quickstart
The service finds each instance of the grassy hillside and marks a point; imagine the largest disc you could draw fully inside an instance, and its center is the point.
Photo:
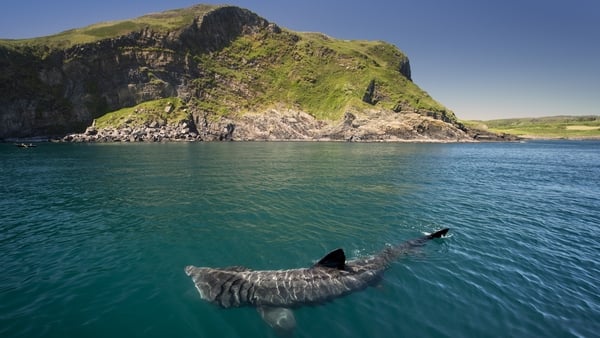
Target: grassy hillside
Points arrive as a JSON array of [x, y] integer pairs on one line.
[[308, 71], [544, 127]]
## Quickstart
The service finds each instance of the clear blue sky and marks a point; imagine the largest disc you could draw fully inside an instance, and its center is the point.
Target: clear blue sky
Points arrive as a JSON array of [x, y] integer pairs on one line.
[[482, 59]]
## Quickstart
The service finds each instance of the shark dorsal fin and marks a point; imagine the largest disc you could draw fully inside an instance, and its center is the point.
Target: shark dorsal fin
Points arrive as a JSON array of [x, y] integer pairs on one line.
[[335, 259]]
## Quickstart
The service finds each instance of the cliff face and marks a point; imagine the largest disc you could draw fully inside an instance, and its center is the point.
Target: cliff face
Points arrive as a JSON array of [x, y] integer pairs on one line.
[[231, 69], [65, 90]]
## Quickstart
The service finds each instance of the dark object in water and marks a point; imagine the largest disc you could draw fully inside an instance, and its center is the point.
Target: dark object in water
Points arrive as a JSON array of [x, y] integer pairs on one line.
[[275, 292]]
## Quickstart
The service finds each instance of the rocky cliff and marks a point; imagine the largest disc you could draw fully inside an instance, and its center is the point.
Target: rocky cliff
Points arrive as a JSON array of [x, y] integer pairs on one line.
[[229, 73]]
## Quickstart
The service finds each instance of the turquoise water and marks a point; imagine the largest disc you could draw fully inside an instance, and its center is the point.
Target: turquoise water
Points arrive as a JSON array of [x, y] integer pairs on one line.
[[94, 238]]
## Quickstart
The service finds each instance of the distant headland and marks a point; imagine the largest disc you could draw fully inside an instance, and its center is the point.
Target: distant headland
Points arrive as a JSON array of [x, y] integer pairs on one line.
[[209, 73]]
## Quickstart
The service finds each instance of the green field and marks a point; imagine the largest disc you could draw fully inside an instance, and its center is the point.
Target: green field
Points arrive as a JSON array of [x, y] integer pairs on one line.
[[553, 127]]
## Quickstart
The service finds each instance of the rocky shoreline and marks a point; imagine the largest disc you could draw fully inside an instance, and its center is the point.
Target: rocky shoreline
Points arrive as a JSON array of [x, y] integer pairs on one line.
[[150, 133], [288, 125]]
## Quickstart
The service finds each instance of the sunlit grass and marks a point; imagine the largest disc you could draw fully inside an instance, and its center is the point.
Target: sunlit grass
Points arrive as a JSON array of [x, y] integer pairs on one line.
[[314, 73], [145, 113]]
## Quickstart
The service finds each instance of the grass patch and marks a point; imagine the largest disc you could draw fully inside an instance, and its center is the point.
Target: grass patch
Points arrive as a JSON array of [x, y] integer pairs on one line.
[[145, 113], [583, 128]]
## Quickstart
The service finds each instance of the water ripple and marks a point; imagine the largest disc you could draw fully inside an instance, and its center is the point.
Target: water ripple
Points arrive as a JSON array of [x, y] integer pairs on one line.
[[94, 237]]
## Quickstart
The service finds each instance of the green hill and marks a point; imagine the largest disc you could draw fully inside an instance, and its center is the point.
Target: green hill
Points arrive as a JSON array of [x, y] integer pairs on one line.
[[219, 62]]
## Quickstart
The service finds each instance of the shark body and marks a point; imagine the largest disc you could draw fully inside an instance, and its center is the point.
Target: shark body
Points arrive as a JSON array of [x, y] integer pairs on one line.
[[275, 292]]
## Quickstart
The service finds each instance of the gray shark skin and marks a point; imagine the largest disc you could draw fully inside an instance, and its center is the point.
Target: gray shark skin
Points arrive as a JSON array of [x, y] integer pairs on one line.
[[275, 292]]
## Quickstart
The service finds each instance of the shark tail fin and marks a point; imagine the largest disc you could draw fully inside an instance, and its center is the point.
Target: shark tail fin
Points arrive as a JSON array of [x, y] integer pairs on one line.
[[438, 233]]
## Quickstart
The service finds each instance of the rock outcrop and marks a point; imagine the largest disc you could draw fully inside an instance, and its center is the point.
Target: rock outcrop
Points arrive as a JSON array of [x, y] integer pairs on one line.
[[276, 125]]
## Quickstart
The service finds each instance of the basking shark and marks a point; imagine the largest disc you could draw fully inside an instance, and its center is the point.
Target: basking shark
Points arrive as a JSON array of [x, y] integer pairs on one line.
[[276, 292]]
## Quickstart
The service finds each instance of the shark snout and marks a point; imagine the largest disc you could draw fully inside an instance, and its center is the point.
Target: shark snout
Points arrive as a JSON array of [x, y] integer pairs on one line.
[[280, 319]]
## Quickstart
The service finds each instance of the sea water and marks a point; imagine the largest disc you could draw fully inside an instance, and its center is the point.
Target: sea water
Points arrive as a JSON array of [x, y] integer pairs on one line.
[[94, 237]]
